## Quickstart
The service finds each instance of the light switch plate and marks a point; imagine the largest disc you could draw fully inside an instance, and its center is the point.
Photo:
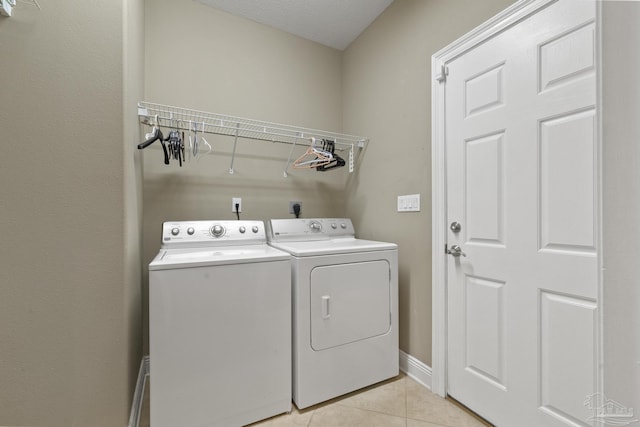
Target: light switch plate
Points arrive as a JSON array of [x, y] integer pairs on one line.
[[409, 203]]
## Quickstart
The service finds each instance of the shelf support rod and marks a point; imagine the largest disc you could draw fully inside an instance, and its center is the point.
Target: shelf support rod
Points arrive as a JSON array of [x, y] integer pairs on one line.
[[286, 168], [235, 144]]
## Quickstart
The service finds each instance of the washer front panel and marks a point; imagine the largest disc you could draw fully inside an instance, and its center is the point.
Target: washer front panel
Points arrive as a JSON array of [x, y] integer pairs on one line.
[[220, 344]]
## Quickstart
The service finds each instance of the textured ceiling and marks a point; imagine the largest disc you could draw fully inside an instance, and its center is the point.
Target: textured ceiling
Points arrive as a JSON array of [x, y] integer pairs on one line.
[[334, 23]]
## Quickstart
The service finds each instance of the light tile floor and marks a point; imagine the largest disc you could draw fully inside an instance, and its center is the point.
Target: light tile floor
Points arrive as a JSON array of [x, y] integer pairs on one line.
[[400, 402]]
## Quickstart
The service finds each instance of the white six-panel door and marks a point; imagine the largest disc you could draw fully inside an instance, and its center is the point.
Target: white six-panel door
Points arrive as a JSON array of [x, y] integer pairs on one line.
[[521, 178]]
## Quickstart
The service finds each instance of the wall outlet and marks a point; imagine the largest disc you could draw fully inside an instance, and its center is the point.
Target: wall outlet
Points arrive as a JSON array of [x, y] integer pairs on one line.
[[409, 203], [236, 201], [294, 202]]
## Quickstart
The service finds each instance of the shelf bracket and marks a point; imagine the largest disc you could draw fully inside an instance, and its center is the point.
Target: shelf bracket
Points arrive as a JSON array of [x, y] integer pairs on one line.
[[351, 159], [235, 144]]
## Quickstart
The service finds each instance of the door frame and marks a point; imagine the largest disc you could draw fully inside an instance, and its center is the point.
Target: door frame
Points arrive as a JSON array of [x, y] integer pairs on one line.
[[504, 20]]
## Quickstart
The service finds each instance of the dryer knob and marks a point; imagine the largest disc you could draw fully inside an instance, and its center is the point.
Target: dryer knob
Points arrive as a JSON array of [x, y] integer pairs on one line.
[[175, 231], [334, 226], [315, 226], [217, 230], [254, 228], [190, 231], [242, 229], [343, 225]]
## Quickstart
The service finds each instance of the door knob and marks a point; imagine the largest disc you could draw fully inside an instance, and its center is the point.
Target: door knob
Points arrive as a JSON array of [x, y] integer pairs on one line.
[[455, 226], [455, 251]]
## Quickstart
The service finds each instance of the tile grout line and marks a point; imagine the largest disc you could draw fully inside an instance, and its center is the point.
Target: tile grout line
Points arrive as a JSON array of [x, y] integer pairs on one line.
[[406, 403], [310, 418]]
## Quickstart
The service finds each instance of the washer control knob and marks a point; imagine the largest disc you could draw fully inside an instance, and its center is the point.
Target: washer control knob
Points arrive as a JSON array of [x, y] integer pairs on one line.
[[343, 226], [217, 230], [242, 229], [190, 231], [254, 228], [175, 231], [334, 226], [315, 226]]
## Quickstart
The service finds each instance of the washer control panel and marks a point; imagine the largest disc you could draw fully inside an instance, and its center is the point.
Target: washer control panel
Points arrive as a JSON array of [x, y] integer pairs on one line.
[[309, 229], [212, 233]]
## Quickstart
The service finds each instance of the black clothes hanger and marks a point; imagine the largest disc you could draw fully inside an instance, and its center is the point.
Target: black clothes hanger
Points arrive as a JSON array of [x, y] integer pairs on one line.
[[176, 145], [156, 135], [336, 161]]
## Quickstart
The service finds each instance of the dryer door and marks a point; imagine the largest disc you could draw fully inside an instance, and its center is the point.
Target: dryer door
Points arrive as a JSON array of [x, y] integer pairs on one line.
[[349, 302]]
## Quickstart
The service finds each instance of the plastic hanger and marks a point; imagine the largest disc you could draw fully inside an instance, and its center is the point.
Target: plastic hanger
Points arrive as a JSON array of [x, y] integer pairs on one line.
[[204, 141], [193, 142], [176, 141], [155, 135], [313, 157], [336, 161]]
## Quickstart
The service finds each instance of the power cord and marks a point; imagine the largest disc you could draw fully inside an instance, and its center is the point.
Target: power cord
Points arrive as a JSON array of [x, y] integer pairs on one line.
[[238, 211], [296, 210]]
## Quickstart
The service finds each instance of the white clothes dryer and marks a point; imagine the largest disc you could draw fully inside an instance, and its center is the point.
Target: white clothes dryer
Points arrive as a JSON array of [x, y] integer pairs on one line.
[[345, 307], [219, 326]]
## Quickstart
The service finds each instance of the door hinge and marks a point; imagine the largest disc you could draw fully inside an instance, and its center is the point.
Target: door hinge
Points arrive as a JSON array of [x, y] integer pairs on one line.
[[444, 72]]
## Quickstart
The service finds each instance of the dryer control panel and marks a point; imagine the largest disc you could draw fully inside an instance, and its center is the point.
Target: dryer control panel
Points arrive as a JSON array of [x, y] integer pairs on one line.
[[212, 233], [306, 229]]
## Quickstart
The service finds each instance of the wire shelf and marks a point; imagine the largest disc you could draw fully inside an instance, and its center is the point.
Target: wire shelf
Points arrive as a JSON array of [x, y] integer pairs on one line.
[[238, 127], [220, 124]]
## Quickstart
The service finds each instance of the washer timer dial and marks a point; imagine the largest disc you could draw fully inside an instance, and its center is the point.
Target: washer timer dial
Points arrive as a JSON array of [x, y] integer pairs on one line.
[[217, 230], [315, 226]]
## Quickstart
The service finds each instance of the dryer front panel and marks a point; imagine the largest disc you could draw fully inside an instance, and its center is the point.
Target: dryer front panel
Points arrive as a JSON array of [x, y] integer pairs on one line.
[[349, 302]]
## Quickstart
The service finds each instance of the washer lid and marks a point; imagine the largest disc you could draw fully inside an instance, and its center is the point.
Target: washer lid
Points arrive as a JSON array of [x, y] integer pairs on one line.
[[207, 256], [333, 246]]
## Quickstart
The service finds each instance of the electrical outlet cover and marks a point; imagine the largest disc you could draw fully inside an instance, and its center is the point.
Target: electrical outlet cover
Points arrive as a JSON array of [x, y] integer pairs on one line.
[[236, 201], [294, 202]]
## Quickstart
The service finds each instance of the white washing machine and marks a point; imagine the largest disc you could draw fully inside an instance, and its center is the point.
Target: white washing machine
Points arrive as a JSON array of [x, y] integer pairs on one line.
[[345, 307], [219, 326]]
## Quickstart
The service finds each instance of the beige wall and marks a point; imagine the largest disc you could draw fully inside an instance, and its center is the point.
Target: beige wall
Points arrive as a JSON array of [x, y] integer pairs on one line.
[[69, 282], [213, 61], [133, 78], [379, 88], [387, 97]]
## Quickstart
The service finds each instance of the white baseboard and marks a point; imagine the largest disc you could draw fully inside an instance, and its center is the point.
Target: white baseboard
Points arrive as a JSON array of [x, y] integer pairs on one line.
[[416, 369], [138, 395], [411, 366]]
